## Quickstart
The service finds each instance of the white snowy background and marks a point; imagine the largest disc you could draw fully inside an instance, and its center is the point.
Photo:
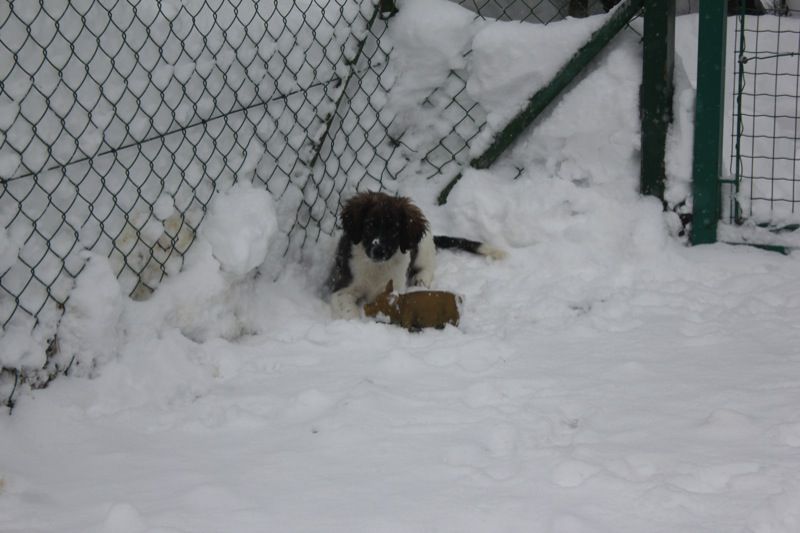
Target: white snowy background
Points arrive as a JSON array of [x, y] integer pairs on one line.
[[605, 377]]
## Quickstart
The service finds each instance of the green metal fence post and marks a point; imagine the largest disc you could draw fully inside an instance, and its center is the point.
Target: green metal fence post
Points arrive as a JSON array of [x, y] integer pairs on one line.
[[657, 90], [709, 107]]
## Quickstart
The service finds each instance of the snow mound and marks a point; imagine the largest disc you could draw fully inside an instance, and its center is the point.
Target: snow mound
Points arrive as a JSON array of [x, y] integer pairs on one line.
[[511, 61], [88, 331], [430, 39], [240, 226]]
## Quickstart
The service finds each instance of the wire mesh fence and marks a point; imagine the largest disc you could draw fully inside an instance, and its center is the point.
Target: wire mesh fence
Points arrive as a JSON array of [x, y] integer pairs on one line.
[[764, 189], [121, 119]]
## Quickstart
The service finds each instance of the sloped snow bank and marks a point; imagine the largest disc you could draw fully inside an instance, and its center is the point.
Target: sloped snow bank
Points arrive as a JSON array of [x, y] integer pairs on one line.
[[240, 226]]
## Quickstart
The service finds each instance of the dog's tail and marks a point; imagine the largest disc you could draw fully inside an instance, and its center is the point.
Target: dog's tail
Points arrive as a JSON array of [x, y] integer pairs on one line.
[[443, 242]]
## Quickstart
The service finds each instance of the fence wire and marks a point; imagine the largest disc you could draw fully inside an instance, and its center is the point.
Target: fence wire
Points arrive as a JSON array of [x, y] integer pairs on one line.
[[764, 188], [121, 119]]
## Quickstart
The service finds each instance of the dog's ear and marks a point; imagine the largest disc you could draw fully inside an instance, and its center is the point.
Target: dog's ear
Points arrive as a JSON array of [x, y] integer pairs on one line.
[[353, 213], [413, 225]]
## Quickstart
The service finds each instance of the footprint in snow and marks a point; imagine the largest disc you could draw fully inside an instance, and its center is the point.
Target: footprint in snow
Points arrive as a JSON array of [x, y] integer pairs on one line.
[[123, 518], [779, 513], [727, 424], [508, 394], [635, 467], [492, 455], [308, 405], [788, 434], [501, 440], [402, 362], [478, 356], [466, 455], [484, 394], [566, 523], [573, 473], [712, 479], [211, 497]]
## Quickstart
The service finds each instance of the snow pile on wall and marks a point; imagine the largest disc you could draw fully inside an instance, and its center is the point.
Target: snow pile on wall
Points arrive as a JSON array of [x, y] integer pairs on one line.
[[240, 226]]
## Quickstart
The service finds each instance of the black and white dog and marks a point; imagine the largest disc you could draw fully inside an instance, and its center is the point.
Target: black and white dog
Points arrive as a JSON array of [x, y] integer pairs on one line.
[[386, 238]]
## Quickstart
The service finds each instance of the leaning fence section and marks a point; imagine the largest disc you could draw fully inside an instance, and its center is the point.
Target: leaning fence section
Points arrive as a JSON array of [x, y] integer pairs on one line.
[[119, 121]]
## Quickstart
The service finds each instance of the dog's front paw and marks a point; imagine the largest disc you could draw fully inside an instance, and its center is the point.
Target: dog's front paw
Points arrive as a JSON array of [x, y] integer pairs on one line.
[[422, 279]]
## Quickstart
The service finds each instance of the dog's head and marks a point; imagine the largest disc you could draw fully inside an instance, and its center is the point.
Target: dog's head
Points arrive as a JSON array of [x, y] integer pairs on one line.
[[383, 224]]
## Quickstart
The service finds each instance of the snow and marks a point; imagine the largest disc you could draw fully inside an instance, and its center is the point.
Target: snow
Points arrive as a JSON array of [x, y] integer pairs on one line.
[[20, 349], [88, 335], [164, 207], [240, 226], [513, 60], [430, 39], [8, 165], [604, 377]]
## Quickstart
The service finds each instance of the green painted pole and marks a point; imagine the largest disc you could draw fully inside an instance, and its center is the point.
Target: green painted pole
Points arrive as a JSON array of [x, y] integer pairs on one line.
[[658, 59], [709, 108], [544, 97]]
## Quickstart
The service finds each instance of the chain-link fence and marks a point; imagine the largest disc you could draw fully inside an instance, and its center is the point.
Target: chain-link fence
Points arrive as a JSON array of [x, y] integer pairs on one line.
[[120, 119], [764, 188]]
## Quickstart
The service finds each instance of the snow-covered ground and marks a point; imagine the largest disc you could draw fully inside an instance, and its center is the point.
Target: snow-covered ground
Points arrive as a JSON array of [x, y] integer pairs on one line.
[[605, 377]]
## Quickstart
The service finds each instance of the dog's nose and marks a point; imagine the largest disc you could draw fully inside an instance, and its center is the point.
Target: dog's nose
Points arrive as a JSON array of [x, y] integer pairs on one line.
[[377, 250]]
